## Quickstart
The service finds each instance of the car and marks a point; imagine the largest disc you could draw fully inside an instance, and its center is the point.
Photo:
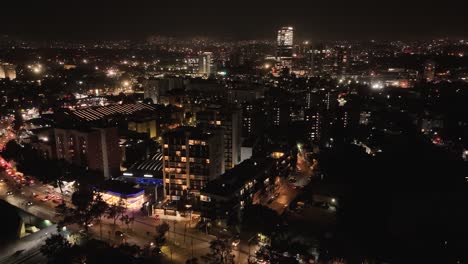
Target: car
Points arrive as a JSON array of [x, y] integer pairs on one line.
[[119, 234], [2, 180], [57, 200], [29, 204], [10, 193]]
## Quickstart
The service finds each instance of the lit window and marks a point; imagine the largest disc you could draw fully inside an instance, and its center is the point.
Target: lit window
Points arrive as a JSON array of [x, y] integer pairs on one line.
[[191, 142], [218, 123], [166, 146], [207, 161], [183, 159]]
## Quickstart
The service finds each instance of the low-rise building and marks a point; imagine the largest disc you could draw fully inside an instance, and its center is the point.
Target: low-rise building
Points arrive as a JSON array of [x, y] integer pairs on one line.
[[223, 199]]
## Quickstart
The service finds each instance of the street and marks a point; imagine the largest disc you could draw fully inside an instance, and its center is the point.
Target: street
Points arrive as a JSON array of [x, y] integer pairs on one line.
[[182, 241]]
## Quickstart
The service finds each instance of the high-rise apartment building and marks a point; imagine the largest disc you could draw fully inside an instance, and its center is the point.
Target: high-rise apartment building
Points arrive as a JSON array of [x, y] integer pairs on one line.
[[192, 157], [312, 121], [230, 119]]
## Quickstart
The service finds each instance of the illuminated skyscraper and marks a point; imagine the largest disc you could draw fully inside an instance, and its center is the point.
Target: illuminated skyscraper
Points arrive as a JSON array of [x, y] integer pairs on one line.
[[284, 49], [205, 64]]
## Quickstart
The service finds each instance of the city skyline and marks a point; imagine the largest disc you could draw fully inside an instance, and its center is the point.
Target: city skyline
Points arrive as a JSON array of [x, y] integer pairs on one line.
[[246, 132]]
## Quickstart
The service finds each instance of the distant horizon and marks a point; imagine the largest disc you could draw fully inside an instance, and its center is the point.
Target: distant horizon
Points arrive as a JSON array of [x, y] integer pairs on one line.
[[297, 40], [332, 20]]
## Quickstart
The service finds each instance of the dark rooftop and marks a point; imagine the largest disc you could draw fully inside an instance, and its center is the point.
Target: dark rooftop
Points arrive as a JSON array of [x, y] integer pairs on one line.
[[194, 132], [233, 179]]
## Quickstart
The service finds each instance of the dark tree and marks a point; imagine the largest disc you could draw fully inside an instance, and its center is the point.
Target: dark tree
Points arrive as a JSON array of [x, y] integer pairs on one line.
[[260, 219], [115, 211], [57, 249], [88, 207], [221, 251], [160, 238], [12, 151]]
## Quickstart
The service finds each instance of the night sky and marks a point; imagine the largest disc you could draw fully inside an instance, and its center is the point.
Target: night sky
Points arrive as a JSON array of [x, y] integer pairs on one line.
[[363, 19]]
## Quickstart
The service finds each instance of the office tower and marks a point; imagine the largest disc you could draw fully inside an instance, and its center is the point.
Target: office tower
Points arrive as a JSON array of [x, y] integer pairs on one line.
[[205, 64], [429, 71], [230, 119], [192, 157], [97, 149], [312, 121], [284, 48]]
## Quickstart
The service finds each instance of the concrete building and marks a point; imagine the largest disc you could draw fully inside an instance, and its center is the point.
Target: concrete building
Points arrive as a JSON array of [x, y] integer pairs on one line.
[[205, 64], [97, 149], [144, 125], [192, 157], [230, 119], [252, 181], [154, 88], [312, 121]]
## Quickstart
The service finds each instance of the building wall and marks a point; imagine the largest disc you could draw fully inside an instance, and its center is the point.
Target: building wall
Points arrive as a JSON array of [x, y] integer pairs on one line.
[[147, 126], [95, 149], [189, 162], [231, 121]]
